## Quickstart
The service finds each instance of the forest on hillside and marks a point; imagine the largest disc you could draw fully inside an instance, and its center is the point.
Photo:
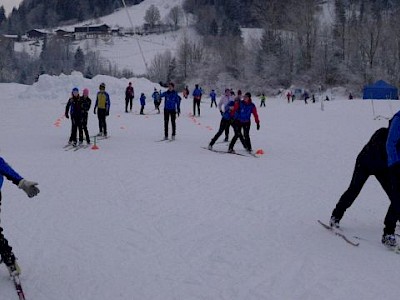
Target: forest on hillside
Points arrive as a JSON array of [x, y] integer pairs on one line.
[[309, 43]]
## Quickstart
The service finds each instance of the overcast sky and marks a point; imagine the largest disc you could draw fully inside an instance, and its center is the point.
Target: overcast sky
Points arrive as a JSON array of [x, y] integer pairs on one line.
[[9, 4]]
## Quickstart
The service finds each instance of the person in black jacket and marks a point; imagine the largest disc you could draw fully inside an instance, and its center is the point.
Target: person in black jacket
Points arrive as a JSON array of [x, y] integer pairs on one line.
[[86, 102], [372, 160], [74, 108]]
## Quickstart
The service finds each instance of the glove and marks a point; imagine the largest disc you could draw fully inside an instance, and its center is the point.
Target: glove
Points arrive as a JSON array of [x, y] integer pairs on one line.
[[179, 112], [221, 112], [67, 116], [258, 126], [107, 113], [94, 111], [29, 187]]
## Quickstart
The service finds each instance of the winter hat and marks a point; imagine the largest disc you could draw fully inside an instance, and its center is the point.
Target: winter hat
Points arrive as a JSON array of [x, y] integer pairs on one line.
[[85, 92], [75, 89], [102, 86], [248, 95]]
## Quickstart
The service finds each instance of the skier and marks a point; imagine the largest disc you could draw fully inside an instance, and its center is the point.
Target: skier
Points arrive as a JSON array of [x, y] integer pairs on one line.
[[185, 92], [31, 189], [129, 95], [288, 96], [86, 102], [244, 109], [213, 97], [226, 121], [379, 157], [262, 100], [103, 109], [142, 103], [171, 108], [74, 108], [157, 100], [196, 100], [222, 106]]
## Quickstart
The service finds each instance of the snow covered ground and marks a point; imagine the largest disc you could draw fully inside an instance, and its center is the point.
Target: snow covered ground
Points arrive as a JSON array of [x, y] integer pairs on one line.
[[139, 219]]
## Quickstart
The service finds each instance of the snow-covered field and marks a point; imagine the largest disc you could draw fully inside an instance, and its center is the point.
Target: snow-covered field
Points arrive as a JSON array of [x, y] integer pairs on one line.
[[139, 219]]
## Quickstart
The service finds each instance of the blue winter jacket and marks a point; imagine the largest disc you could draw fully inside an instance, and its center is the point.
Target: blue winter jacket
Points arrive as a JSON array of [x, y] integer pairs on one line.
[[245, 111], [227, 114], [197, 93], [156, 96], [172, 101], [8, 172], [393, 141], [213, 96], [143, 100]]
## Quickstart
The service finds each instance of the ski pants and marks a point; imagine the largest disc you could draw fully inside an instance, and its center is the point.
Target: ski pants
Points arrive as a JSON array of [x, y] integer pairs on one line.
[[237, 127], [5, 249], [128, 101], [76, 126], [167, 115], [223, 126], [196, 103], [389, 179], [101, 115], [84, 126]]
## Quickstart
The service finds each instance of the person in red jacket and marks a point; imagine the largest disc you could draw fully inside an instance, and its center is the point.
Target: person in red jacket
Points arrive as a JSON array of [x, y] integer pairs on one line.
[[242, 111], [129, 95]]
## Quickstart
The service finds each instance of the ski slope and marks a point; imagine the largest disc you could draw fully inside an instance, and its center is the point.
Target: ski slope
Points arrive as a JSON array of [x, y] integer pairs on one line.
[[139, 219]]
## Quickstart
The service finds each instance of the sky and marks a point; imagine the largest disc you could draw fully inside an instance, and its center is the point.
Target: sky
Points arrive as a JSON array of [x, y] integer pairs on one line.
[[9, 4]]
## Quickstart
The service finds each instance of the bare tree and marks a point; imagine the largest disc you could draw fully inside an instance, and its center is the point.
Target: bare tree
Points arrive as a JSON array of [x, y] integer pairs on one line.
[[152, 16], [175, 14]]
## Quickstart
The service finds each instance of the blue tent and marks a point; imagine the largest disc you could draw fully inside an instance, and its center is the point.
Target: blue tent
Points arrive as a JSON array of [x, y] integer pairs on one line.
[[380, 90]]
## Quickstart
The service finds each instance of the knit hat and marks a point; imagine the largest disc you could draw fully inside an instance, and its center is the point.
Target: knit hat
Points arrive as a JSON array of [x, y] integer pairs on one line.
[[102, 86], [75, 89], [248, 95], [85, 92]]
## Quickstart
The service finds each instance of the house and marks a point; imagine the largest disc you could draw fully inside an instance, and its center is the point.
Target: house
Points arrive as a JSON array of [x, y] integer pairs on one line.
[[91, 31], [36, 34]]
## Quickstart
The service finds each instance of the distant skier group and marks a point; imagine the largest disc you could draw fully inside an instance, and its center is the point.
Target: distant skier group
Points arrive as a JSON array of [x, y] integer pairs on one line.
[[77, 109]]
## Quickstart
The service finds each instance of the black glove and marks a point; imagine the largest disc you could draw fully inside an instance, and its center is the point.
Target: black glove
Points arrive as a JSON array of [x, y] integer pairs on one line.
[[67, 116], [107, 113], [94, 111], [179, 112], [258, 126], [29, 187], [221, 112]]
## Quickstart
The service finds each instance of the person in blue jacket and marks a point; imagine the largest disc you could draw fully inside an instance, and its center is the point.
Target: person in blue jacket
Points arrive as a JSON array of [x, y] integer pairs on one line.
[[393, 153], [142, 103], [213, 97], [31, 189], [380, 157], [156, 99], [102, 105], [243, 111], [226, 121], [172, 104], [197, 93]]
